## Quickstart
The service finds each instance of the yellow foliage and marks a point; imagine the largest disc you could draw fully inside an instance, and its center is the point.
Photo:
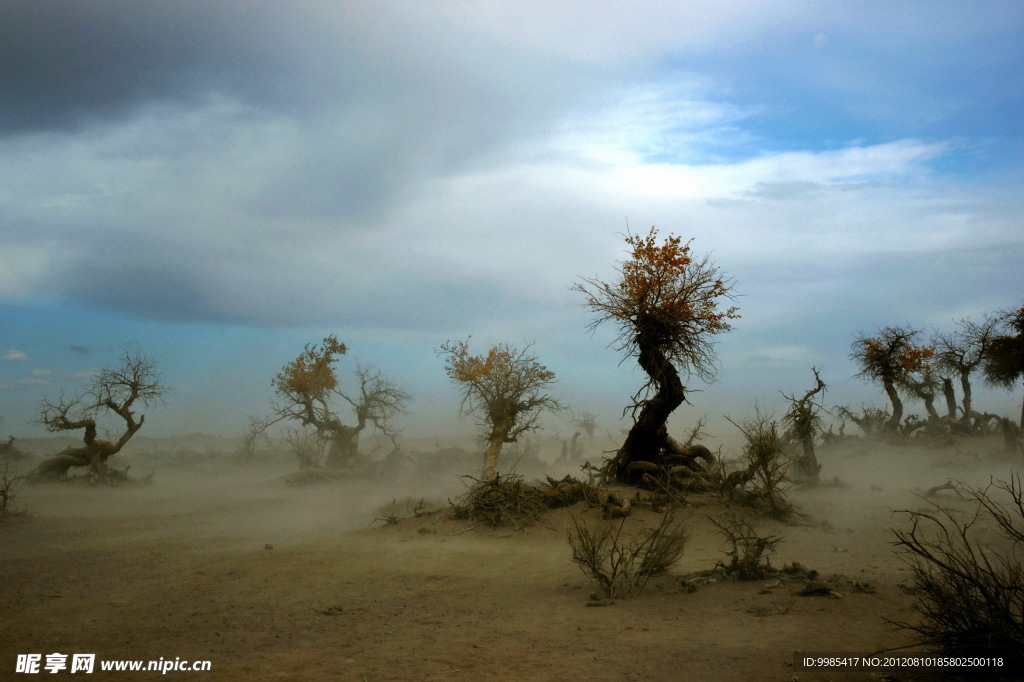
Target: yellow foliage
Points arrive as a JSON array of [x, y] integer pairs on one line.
[[663, 282], [312, 373], [500, 363]]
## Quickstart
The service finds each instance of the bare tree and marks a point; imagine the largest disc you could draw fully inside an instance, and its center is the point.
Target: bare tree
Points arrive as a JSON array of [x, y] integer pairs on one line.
[[587, 421], [250, 440], [665, 302], [113, 391], [960, 353], [504, 389], [308, 391], [890, 357], [804, 422]]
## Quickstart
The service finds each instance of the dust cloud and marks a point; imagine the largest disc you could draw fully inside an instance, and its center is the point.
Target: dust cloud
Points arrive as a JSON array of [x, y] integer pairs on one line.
[[218, 558]]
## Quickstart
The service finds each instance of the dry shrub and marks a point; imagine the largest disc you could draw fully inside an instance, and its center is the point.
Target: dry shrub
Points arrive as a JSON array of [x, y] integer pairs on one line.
[[620, 566], [307, 446], [767, 466], [396, 511], [7, 491], [667, 494], [748, 548], [970, 587], [506, 499]]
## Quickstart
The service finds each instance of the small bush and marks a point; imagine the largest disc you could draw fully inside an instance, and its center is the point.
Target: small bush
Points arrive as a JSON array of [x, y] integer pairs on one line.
[[621, 567], [968, 575], [307, 446], [399, 510], [767, 466], [748, 548], [499, 501], [506, 499], [7, 491]]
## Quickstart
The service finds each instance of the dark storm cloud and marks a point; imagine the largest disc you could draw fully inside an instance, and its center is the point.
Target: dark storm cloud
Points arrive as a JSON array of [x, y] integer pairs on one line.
[[69, 63], [171, 281]]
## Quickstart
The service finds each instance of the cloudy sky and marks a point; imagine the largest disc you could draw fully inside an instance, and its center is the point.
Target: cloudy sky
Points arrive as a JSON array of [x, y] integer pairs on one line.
[[221, 182]]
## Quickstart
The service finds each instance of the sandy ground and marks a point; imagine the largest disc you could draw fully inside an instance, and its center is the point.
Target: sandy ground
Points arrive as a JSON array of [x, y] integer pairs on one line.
[[219, 562]]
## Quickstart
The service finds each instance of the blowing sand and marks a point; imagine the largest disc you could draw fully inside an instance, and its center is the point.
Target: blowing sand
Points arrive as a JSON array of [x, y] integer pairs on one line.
[[220, 562]]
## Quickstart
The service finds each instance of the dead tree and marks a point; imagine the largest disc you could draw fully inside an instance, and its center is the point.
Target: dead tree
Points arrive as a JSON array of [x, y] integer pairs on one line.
[[872, 421], [113, 392], [308, 391], [665, 302], [804, 422], [587, 421], [504, 389]]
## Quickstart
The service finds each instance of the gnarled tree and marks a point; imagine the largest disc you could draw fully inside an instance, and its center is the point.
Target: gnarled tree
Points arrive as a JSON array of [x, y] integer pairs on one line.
[[804, 422], [665, 302], [961, 352], [891, 358], [504, 389], [113, 392], [1003, 365], [308, 391]]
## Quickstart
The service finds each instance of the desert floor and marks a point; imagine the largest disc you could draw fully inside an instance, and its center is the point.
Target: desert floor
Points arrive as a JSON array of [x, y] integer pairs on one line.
[[223, 562]]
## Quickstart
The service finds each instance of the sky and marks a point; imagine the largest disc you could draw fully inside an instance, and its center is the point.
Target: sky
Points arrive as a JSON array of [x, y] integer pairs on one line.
[[218, 183]]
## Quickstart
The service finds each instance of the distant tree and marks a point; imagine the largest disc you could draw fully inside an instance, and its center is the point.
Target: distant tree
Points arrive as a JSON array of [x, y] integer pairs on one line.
[[250, 440], [1003, 363], [587, 421], [959, 353], [665, 302], [308, 391], [803, 420], [891, 358], [506, 390], [113, 391]]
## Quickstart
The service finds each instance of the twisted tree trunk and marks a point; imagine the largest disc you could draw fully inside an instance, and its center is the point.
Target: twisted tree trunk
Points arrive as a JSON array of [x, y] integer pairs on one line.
[[649, 434], [893, 425]]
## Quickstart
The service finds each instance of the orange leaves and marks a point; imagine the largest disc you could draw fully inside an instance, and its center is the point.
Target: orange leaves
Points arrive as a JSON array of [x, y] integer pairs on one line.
[[505, 388], [501, 364], [664, 282], [312, 373], [892, 355], [916, 358], [666, 300]]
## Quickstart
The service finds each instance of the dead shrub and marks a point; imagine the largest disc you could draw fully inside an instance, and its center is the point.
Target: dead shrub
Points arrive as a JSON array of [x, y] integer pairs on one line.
[[307, 446], [502, 500], [768, 467], [7, 491], [506, 499], [396, 511], [748, 548], [968, 574], [621, 567]]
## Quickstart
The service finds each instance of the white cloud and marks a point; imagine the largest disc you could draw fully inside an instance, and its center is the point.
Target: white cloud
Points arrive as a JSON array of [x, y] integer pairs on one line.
[[14, 356]]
